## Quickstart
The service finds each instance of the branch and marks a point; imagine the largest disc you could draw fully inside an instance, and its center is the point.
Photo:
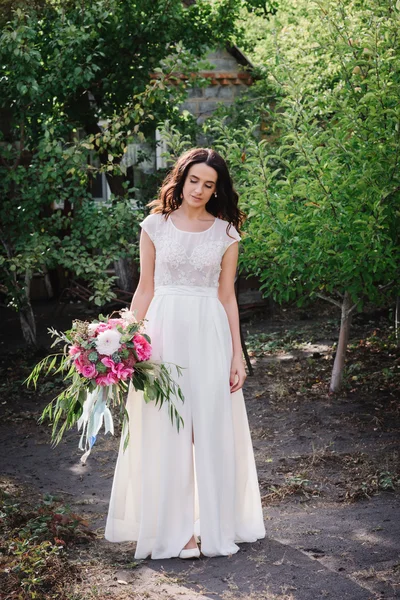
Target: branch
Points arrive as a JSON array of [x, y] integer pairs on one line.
[[338, 304], [396, 189], [338, 294], [7, 248], [352, 309], [21, 148], [316, 174], [331, 300], [383, 288]]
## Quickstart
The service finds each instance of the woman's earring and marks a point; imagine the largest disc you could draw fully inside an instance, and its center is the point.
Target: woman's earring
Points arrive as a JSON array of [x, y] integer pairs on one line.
[[215, 194]]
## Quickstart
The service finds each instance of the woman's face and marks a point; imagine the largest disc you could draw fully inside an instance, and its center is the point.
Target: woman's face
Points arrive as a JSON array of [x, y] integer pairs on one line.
[[200, 184]]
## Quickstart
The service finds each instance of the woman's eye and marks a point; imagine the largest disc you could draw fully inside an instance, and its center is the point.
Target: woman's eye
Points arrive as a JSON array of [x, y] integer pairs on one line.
[[209, 187]]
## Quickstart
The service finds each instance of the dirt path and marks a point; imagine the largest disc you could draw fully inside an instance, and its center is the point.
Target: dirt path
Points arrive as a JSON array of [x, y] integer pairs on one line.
[[328, 469]]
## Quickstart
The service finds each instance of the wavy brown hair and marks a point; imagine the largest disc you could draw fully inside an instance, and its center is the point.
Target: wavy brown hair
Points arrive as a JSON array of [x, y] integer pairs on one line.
[[223, 205]]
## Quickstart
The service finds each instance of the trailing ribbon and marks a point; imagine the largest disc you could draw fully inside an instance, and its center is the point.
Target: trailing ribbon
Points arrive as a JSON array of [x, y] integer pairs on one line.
[[95, 412]]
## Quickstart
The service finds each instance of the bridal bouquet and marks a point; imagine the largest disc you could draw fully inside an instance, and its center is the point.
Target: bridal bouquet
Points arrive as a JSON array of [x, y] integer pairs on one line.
[[99, 360]]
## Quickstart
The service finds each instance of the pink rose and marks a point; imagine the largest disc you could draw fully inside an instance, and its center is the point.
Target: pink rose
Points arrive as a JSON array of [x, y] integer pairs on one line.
[[79, 367], [142, 347], [89, 371], [73, 350], [82, 360]]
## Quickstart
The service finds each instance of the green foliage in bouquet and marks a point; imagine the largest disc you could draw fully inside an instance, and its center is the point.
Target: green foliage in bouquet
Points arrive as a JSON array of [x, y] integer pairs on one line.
[[80, 346]]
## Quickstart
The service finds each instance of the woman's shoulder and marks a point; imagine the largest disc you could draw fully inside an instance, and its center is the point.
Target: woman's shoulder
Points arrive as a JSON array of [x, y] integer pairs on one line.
[[152, 223], [227, 230], [153, 218]]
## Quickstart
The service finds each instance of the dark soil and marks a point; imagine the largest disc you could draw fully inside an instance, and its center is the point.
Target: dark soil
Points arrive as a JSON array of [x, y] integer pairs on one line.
[[328, 468]]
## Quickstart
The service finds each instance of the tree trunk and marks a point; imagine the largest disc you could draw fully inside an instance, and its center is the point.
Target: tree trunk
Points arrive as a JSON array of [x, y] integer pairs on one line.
[[47, 283], [397, 321], [345, 322], [28, 325], [25, 312], [26, 316], [127, 272]]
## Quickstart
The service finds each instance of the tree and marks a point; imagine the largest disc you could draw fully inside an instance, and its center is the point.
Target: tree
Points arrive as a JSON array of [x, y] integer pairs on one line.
[[323, 198], [66, 67]]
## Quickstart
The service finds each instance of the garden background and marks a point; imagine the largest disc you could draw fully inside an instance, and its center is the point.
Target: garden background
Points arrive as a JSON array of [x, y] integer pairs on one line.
[[96, 101]]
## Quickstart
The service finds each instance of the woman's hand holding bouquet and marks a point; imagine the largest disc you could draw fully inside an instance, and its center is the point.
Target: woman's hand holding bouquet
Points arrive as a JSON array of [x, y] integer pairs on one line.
[[99, 359]]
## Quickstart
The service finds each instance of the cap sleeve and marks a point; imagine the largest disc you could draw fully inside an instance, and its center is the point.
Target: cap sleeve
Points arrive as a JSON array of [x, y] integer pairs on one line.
[[232, 236], [149, 225]]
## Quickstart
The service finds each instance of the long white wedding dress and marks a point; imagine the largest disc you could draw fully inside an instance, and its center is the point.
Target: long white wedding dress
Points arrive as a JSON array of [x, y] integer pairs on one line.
[[164, 488]]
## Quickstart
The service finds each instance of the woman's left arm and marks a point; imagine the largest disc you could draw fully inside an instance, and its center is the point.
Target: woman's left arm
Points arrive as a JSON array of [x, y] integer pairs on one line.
[[227, 297]]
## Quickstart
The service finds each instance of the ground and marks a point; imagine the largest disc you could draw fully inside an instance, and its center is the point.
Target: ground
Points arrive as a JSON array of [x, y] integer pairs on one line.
[[328, 468]]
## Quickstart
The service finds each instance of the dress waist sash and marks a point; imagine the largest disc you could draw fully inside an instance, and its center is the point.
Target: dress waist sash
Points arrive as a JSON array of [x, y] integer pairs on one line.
[[186, 290]]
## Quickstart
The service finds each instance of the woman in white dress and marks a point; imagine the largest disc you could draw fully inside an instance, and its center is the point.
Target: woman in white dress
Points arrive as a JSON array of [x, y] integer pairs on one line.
[[171, 488]]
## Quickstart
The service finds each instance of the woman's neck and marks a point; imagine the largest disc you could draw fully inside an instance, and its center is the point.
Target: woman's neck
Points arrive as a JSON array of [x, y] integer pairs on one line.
[[193, 213]]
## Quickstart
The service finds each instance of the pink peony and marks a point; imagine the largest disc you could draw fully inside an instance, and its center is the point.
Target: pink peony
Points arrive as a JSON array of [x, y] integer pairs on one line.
[[142, 347], [106, 379], [89, 371], [122, 372], [116, 322], [102, 380], [103, 327], [112, 378], [107, 362], [73, 350]]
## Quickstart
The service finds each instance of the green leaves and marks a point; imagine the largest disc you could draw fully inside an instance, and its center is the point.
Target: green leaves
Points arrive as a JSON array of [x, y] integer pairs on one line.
[[154, 379], [160, 387], [79, 83], [314, 192]]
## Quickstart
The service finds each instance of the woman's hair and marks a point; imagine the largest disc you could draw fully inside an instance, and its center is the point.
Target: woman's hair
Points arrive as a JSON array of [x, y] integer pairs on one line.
[[223, 204]]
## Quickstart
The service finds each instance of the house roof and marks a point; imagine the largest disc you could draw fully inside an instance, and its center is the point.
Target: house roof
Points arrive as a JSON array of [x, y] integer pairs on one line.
[[239, 56]]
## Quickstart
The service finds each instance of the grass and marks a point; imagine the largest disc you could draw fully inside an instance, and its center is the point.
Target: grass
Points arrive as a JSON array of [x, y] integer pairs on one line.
[[360, 476], [293, 484], [259, 344]]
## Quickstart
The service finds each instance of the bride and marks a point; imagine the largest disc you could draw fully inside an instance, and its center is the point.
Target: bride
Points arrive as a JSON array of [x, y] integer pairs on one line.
[[172, 489]]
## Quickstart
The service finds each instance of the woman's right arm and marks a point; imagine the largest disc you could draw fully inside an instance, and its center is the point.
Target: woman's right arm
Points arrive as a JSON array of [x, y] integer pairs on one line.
[[145, 289]]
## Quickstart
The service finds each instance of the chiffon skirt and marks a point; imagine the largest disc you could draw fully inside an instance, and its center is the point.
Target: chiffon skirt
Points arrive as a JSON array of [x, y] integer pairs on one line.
[[165, 488]]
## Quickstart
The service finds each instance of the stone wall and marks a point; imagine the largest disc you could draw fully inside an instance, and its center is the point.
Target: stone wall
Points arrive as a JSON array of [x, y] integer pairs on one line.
[[227, 81]]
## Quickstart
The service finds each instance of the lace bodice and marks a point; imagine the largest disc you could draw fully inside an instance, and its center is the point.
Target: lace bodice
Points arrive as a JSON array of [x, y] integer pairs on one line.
[[186, 257]]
